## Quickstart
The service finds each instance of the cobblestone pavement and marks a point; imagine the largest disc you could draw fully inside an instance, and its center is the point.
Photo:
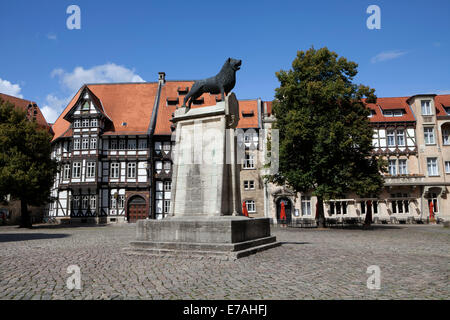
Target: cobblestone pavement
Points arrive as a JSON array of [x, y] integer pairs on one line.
[[311, 264]]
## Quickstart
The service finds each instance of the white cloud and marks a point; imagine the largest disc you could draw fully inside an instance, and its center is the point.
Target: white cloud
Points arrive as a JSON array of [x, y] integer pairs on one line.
[[73, 81], [53, 107], [387, 55], [7, 87], [443, 91], [106, 73]]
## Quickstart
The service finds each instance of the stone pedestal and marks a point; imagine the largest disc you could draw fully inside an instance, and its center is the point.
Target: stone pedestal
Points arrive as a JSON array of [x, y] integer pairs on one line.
[[205, 216]]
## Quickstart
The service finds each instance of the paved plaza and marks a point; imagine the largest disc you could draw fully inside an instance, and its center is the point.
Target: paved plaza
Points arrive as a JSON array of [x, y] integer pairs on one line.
[[311, 264]]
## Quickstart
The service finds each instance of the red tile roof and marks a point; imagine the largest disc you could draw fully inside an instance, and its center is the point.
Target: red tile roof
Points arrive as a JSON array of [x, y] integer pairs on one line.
[[23, 105], [131, 103], [440, 102], [396, 103]]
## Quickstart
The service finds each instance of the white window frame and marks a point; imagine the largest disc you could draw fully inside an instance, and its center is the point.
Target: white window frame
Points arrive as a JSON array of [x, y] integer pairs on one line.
[[446, 137], [76, 144], [115, 170], [93, 143], [432, 167], [167, 186], [249, 184], [85, 144], [94, 123], [90, 169], [85, 123], [392, 166], [390, 137], [251, 206], [429, 136], [66, 174], [131, 170], [249, 161], [93, 202], [426, 107], [121, 144], [306, 205], [76, 170], [402, 166], [77, 123], [447, 166], [401, 134]]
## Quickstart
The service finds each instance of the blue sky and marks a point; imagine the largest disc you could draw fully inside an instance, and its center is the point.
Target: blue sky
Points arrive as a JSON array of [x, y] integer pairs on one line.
[[121, 41]]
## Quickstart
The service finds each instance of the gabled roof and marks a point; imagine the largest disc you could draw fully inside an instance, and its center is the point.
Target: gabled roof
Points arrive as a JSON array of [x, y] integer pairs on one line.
[[124, 103], [25, 105], [440, 102]]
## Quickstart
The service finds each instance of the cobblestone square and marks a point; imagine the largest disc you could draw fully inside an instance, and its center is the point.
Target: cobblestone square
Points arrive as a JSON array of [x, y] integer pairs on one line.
[[311, 264]]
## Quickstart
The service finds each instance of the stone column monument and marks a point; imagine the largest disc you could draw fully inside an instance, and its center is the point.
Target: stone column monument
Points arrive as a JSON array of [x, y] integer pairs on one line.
[[205, 216]]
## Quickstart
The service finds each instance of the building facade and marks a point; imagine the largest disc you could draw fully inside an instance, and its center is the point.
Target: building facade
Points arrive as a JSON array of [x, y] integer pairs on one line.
[[114, 144], [413, 135]]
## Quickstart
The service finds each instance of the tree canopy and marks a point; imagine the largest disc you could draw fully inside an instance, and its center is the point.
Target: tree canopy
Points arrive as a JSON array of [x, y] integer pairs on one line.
[[324, 129], [26, 169]]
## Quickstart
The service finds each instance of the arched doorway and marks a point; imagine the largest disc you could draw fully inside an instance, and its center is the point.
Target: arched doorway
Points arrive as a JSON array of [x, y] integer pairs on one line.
[[137, 209], [287, 209]]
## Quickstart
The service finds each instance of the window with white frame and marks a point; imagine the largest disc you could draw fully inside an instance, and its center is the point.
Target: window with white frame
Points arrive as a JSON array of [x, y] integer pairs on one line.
[[85, 202], [447, 166], [142, 144], [90, 172], [113, 202], [94, 123], [158, 147], [167, 185], [399, 205], [93, 143], [132, 170], [66, 175], [76, 202], [93, 203], [121, 201], [166, 206], [158, 166], [393, 113], [166, 147], [76, 144], [402, 166], [338, 207], [432, 167], [445, 137], [249, 184], [249, 161], [306, 205], [122, 144], [390, 138], [85, 144], [401, 138], [113, 144], [77, 123], [167, 165], [365, 206], [392, 166], [426, 107], [76, 172], [115, 170], [85, 123], [429, 135], [251, 206], [131, 144]]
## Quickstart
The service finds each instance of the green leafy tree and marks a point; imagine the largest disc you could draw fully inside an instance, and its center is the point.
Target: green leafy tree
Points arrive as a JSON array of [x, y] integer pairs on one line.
[[324, 130], [26, 169]]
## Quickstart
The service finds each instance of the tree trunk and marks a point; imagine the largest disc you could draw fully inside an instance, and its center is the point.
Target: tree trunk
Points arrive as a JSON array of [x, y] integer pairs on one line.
[[368, 220], [25, 221], [320, 217]]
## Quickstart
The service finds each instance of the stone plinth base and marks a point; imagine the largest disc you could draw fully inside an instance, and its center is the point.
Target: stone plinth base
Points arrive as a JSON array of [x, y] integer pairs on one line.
[[222, 237]]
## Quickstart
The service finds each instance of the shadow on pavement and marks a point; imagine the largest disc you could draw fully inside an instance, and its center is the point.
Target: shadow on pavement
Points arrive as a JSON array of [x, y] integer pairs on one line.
[[13, 237]]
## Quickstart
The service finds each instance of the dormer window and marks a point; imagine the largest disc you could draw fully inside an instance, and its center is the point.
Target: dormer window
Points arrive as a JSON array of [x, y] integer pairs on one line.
[[447, 110], [393, 113], [172, 101], [183, 90]]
